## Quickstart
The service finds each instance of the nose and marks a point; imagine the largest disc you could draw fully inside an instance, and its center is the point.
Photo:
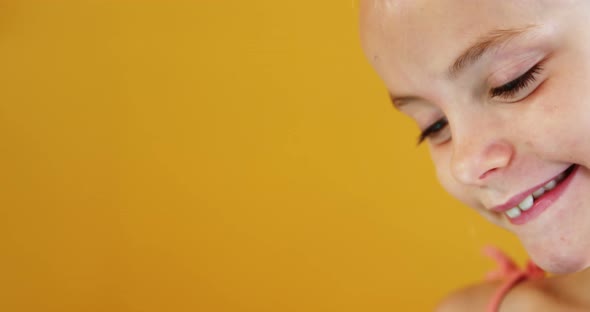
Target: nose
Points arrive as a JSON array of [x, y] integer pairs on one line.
[[477, 159]]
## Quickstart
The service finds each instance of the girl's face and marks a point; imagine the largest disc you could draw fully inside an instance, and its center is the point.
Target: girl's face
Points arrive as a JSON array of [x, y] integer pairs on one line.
[[501, 92]]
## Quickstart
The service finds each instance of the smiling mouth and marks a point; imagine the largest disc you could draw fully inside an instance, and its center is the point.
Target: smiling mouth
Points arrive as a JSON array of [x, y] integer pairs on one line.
[[538, 199], [537, 195]]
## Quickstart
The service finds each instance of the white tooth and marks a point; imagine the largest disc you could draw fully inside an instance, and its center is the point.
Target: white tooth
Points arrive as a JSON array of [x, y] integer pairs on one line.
[[513, 213], [538, 193], [527, 203], [550, 185]]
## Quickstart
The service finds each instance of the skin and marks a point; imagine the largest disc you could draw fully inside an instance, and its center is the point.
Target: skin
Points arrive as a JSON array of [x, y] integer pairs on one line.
[[497, 147]]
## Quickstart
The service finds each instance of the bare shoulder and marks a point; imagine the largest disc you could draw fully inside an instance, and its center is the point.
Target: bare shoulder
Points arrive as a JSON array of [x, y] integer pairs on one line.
[[527, 296], [471, 298]]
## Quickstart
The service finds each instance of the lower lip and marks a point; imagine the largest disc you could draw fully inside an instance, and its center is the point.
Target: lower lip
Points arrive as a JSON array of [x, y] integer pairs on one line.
[[542, 203]]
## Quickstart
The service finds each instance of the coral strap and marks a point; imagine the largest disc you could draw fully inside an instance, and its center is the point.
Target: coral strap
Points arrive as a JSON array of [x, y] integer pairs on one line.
[[510, 273]]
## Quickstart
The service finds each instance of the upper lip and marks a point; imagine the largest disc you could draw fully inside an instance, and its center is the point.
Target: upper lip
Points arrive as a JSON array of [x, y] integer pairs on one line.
[[517, 199]]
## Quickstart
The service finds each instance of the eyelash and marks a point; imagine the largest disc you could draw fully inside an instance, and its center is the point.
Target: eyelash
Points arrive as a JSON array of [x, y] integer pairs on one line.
[[511, 88], [507, 90], [434, 128]]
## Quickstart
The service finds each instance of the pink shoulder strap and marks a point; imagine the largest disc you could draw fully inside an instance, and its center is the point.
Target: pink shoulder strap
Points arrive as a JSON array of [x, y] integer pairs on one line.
[[509, 273]]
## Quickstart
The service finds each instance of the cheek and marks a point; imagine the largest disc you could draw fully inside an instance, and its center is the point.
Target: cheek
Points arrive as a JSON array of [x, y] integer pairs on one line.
[[563, 137], [575, 138], [562, 113]]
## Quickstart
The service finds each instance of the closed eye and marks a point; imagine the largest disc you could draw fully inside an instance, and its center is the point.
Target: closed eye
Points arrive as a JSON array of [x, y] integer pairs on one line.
[[511, 88], [433, 129]]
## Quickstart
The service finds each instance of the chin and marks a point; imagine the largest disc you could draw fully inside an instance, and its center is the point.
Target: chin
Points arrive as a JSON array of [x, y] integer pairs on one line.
[[559, 259]]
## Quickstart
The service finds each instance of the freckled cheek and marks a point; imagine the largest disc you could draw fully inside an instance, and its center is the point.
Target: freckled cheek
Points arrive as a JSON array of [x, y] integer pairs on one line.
[[572, 138], [562, 117], [562, 138]]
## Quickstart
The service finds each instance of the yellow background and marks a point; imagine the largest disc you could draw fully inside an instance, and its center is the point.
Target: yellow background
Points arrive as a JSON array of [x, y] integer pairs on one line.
[[214, 156]]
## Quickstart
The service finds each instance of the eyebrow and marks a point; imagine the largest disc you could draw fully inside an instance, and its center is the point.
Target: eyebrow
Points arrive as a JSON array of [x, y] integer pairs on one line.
[[399, 101], [483, 45]]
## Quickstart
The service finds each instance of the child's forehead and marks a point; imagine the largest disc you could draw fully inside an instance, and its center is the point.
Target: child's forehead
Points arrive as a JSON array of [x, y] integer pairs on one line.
[[415, 33], [412, 45], [441, 14], [454, 17]]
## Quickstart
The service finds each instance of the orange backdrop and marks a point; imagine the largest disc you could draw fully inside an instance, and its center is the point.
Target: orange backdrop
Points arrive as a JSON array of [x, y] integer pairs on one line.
[[214, 156]]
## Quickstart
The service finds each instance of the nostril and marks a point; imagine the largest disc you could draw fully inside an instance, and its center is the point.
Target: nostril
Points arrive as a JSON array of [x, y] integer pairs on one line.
[[483, 176], [477, 162]]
